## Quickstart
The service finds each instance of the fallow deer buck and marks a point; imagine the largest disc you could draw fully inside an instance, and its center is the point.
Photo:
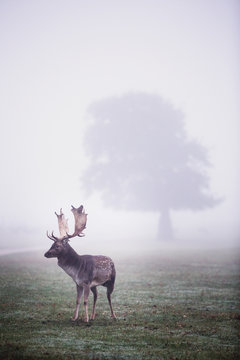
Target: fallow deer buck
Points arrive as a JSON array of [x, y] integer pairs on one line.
[[87, 271]]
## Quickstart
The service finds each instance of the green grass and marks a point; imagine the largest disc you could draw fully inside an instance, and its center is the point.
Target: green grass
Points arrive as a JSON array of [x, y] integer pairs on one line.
[[171, 306]]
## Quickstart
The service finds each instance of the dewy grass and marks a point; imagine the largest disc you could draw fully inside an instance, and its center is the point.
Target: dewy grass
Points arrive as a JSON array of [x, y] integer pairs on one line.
[[167, 307]]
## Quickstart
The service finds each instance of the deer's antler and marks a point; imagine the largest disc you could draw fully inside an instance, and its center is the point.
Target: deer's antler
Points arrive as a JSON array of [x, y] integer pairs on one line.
[[80, 224], [52, 237], [62, 224], [80, 221]]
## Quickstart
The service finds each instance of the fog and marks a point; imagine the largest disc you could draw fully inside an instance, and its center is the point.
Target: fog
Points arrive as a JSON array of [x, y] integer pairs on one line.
[[72, 131]]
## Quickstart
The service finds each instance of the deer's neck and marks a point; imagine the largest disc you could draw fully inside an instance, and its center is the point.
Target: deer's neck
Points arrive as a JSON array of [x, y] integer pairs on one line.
[[69, 261]]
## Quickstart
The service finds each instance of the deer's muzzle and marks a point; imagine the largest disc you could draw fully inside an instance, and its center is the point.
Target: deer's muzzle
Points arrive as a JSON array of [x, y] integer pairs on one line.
[[48, 254]]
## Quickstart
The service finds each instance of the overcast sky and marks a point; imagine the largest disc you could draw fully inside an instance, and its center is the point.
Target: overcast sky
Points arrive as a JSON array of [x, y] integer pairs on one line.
[[57, 57]]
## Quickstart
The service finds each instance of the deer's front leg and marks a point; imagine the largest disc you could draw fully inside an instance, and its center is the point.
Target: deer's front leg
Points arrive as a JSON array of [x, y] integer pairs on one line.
[[94, 291], [86, 294], [79, 295]]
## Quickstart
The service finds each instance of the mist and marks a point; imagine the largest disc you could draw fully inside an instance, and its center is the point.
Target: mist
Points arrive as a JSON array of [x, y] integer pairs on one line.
[[61, 60]]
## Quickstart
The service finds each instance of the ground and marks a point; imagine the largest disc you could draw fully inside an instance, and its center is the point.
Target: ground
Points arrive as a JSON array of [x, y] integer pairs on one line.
[[170, 305]]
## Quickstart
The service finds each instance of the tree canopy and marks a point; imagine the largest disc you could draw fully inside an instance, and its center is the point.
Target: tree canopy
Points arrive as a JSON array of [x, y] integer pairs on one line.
[[141, 157]]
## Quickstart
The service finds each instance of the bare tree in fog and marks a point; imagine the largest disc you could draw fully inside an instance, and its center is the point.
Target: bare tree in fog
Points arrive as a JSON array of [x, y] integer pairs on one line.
[[141, 158]]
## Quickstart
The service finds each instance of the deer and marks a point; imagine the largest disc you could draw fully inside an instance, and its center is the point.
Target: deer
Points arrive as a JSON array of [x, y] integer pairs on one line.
[[87, 271]]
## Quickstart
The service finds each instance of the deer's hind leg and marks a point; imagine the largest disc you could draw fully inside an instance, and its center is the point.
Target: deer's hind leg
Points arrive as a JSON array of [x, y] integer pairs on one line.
[[110, 287]]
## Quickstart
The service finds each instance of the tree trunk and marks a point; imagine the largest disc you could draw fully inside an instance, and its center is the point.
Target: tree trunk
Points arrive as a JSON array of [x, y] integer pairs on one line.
[[165, 230]]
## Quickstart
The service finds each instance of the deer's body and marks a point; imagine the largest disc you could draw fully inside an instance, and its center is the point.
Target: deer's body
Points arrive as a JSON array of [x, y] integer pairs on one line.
[[87, 271], [93, 270]]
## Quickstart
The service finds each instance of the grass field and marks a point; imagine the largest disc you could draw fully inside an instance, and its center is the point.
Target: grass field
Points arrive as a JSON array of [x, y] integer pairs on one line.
[[168, 306]]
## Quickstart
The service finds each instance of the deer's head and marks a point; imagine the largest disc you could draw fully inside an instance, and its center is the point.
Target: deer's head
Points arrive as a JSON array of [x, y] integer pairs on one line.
[[58, 248], [60, 244]]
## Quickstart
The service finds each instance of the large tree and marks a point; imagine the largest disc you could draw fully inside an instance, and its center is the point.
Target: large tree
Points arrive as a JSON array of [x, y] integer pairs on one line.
[[141, 158]]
